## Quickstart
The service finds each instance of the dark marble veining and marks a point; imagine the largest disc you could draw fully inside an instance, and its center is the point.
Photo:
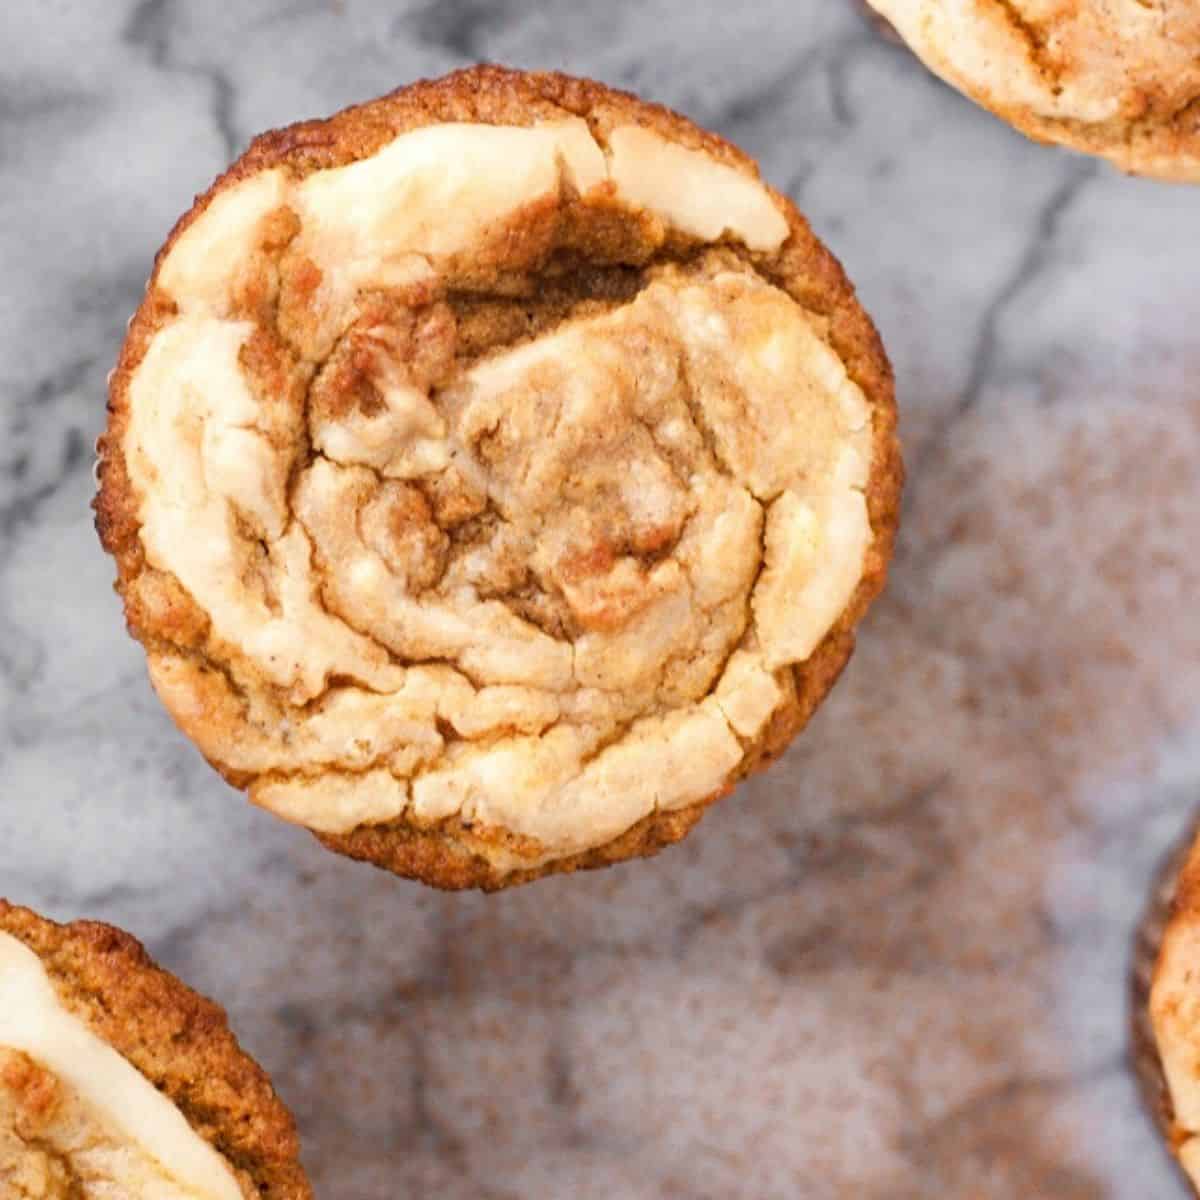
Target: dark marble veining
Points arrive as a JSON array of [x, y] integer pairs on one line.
[[896, 965]]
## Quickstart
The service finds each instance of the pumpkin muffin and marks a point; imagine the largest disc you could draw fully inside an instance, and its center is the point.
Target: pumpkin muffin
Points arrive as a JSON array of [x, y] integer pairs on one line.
[[1115, 78], [118, 1081], [1166, 1006], [496, 473]]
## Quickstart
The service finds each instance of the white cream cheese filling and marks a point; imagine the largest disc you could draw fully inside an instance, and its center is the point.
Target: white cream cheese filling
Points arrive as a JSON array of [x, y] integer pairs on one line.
[[1107, 50], [34, 1022], [794, 465]]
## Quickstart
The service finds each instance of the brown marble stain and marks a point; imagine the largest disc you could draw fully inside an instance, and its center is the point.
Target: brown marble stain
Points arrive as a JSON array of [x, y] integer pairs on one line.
[[895, 966]]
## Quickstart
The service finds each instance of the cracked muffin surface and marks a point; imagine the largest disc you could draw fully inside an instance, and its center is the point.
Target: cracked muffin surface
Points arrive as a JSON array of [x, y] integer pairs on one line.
[[1115, 78], [496, 472], [118, 1081]]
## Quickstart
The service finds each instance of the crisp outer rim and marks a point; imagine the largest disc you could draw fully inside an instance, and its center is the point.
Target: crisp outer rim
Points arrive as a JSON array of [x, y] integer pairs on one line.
[[1154, 149], [105, 977], [1161, 909], [444, 856]]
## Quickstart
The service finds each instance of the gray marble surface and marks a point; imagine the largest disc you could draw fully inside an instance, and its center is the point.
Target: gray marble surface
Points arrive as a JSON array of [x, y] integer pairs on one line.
[[896, 966]]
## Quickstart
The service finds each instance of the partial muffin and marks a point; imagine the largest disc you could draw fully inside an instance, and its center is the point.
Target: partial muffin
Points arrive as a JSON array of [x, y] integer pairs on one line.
[[116, 1080], [496, 473], [1115, 78], [1167, 1007]]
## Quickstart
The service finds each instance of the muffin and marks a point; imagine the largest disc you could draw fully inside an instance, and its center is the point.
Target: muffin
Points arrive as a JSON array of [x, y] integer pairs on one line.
[[496, 473], [116, 1080], [1115, 78], [1167, 1006]]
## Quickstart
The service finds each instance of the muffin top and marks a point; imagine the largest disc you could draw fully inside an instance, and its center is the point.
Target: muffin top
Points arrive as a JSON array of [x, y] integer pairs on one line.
[[484, 461], [1117, 78], [116, 1080], [1175, 1014]]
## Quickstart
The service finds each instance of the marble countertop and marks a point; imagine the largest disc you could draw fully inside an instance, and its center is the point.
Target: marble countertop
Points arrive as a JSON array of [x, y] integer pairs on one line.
[[896, 965]]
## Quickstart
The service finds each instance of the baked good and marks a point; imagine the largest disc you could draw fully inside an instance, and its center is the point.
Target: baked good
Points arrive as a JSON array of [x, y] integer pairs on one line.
[[116, 1080], [1115, 78], [496, 473], [1166, 1006]]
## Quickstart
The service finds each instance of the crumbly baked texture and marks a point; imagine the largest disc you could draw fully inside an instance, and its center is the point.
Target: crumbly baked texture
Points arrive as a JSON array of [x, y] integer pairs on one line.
[[500, 528], [1115, 78], [53, 1148], [1166, 1041]]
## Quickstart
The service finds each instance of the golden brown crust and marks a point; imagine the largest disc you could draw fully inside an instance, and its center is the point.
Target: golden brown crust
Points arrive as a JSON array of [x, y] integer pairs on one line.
[[178, 1039], [449, 855], [1174, 902], [440, 858], [1121, 82]]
